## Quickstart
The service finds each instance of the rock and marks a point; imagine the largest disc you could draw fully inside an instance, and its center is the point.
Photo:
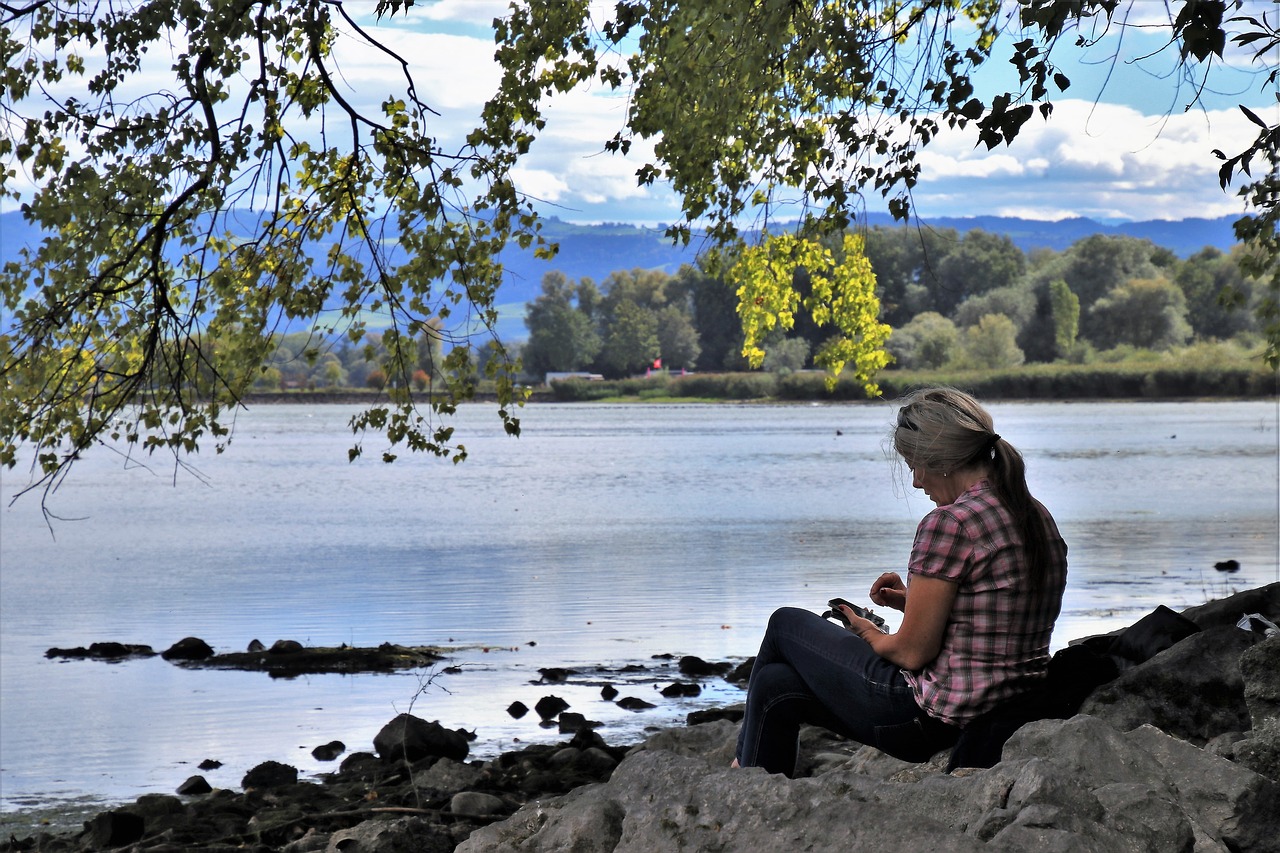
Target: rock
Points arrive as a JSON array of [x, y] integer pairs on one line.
[[194, 786], [555, 675], [329, 751], [113, 829], [448, 775], [708, 715], [1227, 611], [631, 703], [188, 648], [473, 803], [1260, 749], [741, 673], [1064, 785], [209, 764], [108, 651], [548, 706], [695, 666], [1193, 690], [608, 693], [517, 709], [402, 835], [1260, 669], [411, 738], [270, 774], [285, 647], [255, 646], [571, 722], [114, 651], [681, 689]]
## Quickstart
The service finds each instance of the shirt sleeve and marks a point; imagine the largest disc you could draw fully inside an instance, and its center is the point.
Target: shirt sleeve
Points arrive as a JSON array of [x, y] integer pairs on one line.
[[941, 550]]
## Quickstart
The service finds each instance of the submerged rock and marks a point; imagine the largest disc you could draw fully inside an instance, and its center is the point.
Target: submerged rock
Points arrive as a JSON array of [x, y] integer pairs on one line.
[[188, 649]]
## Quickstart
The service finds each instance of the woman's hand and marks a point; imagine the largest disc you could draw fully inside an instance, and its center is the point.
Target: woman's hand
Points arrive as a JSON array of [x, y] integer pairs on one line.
[[864, 628], [888, 590]]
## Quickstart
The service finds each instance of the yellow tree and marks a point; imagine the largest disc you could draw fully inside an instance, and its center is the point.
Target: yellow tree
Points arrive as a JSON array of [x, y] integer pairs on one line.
[[841, 293]]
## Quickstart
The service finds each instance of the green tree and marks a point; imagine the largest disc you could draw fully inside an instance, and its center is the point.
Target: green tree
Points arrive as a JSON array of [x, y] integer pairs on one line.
[[991, 344], [906, 261], [1065, 311], [562, 337], [1217, 295], [715, 317], [1015, 301], [677, 338], [928, 342], [1145, 313], [630, 340], [1091, 267], [787, 355], [982, 262]]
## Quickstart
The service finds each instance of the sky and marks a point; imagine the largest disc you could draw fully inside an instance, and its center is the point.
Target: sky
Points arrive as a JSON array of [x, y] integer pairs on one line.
[[1121, 147]]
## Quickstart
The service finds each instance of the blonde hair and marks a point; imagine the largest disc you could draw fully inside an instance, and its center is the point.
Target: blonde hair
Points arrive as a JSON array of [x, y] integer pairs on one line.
[[943, 430]]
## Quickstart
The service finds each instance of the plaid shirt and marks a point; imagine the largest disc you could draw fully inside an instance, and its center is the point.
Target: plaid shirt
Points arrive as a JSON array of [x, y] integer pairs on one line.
[[996, 643]]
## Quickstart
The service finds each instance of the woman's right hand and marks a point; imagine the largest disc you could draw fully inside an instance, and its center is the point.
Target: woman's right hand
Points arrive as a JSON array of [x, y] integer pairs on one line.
[[888, 590]]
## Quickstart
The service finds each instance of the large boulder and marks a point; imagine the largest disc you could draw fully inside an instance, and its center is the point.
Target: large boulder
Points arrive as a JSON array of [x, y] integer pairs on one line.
[[1260, 669], [1074, 784], [412, 739], [1193, 690]]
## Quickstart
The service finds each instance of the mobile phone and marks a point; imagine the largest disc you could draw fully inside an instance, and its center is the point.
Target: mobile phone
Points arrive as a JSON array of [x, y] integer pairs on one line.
[[869, 615]]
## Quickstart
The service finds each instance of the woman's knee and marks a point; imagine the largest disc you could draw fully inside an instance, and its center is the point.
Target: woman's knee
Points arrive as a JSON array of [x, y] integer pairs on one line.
[[788, 618]]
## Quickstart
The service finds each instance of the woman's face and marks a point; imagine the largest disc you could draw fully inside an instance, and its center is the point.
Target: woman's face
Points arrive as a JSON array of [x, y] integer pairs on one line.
[[936, 486]]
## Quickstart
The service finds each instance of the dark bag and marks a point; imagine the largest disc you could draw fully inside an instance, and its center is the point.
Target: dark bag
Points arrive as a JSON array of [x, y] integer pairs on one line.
[[1149, 636]]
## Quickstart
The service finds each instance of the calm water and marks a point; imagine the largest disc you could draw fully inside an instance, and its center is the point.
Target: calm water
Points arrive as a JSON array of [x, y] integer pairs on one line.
[[605, 534]]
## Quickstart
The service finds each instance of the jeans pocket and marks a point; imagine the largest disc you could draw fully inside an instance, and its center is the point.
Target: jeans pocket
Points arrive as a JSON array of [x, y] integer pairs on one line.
[[907, 741]]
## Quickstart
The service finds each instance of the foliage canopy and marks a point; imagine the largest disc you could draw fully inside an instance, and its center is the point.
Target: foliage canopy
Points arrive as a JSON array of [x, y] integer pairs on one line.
[[183, 225]]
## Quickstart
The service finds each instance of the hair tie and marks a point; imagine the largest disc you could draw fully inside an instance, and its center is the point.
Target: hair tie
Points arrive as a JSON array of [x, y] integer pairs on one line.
[[995, 439]]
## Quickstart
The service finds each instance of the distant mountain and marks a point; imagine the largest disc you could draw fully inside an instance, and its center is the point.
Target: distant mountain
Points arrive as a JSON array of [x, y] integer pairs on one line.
[[1183, 237]]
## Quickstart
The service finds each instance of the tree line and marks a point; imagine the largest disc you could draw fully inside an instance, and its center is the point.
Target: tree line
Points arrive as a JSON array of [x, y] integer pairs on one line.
[[953, 301], [971, 301]]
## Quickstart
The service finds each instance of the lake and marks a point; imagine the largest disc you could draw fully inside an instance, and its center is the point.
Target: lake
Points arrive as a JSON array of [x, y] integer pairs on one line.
[[603, 535]]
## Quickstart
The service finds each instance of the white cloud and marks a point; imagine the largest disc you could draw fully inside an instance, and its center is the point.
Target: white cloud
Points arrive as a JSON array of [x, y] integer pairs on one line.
[[451, 72], [1096, 160]]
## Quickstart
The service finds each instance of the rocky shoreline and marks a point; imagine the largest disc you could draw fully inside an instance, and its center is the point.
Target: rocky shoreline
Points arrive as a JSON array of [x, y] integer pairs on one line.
[[1177, 752]]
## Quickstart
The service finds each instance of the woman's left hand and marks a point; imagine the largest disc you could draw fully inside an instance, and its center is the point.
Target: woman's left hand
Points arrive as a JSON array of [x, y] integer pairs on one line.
[[864, 628]]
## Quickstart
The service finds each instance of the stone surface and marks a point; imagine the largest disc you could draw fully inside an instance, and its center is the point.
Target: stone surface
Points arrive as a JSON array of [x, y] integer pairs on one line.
[[188, 649], [1260, 669], [270, 774], [1077, 784], [194, 786], [1193, 690], [411, 738]]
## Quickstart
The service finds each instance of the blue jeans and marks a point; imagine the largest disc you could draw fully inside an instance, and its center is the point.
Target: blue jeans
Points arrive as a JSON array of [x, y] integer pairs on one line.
[[813, 671]]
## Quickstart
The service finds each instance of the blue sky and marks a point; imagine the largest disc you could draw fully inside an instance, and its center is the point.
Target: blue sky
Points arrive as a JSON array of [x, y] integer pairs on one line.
[[1119, 146]]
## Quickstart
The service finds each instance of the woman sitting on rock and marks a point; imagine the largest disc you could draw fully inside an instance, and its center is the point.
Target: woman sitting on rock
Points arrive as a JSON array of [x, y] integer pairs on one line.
[[984, 587]]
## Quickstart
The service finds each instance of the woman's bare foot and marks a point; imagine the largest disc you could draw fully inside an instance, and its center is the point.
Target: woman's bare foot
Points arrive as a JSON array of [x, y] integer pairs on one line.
[[735, 764]]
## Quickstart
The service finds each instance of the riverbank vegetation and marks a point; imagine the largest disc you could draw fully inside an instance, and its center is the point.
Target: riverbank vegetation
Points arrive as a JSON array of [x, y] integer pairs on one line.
[[1108, 317]]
